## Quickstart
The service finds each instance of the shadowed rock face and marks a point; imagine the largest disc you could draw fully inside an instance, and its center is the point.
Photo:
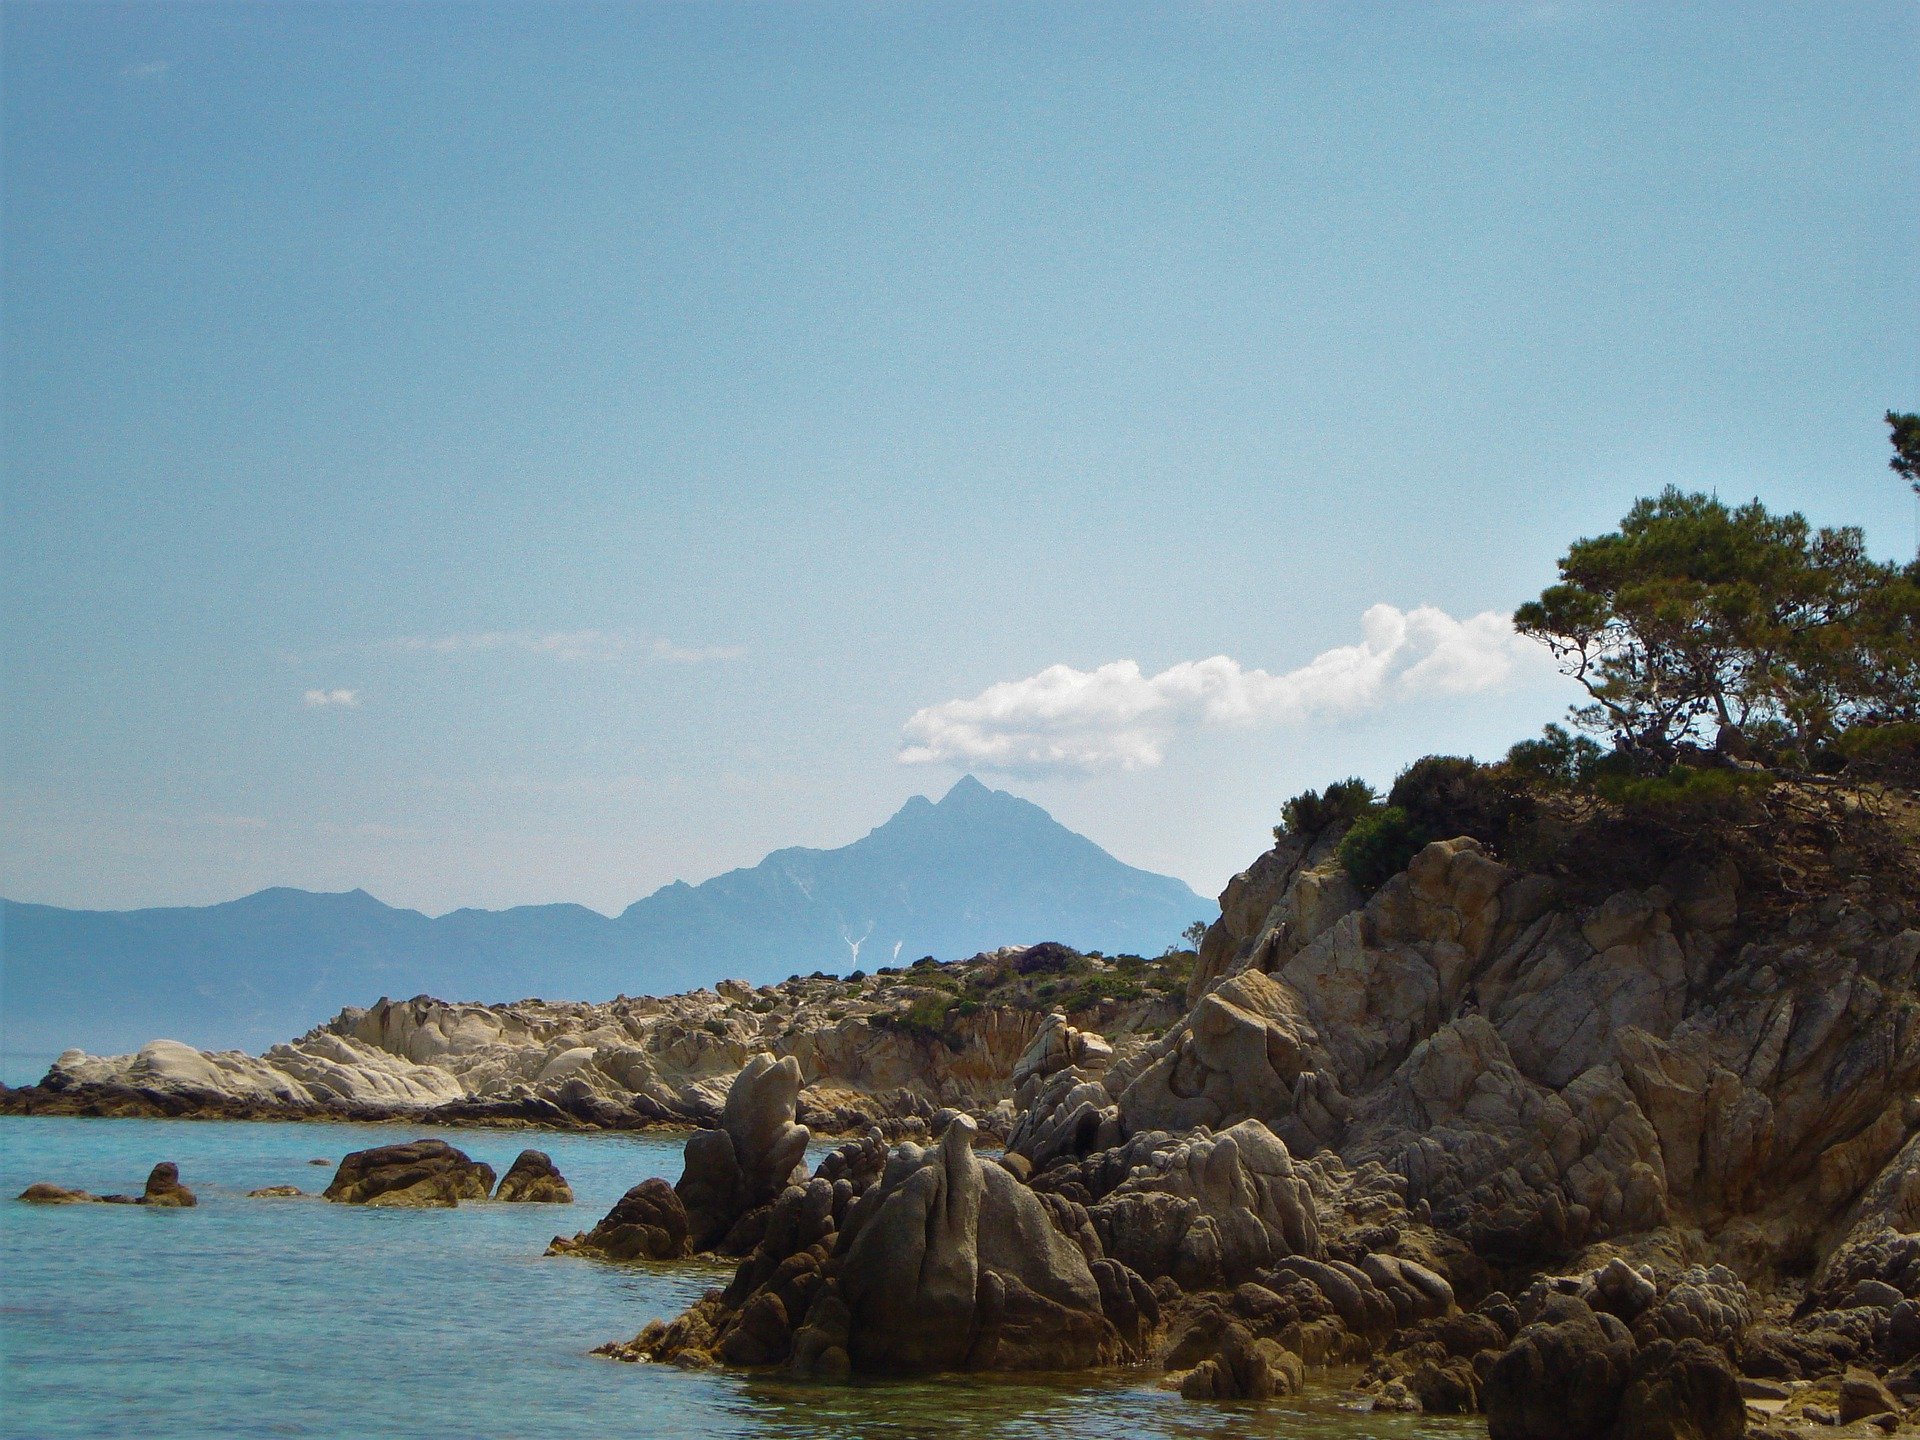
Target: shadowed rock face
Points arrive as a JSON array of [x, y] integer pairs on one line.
[[751, 1158], [647, 1223], [421, 1174], [533, 1177], [952, 1264]]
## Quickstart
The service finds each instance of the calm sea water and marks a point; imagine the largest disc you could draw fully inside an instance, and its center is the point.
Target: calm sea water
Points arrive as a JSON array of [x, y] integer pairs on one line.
[[299, 1318]]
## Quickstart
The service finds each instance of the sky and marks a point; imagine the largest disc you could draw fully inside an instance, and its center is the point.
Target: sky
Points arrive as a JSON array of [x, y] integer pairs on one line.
[[505, 453]]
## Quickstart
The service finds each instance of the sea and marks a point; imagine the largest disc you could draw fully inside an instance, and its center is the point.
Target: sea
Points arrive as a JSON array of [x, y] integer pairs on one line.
[[296, 1317]]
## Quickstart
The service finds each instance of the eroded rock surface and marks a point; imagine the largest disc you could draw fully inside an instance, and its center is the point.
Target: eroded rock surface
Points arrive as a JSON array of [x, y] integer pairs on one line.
[[418, 1175], [533, 1177]]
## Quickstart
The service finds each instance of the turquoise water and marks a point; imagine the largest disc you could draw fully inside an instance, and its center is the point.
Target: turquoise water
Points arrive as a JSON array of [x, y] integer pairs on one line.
[[299, 1318]]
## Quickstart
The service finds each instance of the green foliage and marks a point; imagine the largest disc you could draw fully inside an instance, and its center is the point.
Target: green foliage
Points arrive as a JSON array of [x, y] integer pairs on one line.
[[926, 1016], [1558, 760], [1697, 624], [1886, 752], [1686, 792], [1194, 934], [1379, 845], [1448, 795], [1906, 447], [1311, 812]]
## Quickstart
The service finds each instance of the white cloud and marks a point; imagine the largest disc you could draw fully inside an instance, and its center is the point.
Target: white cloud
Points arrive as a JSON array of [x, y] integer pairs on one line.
[[1117, 718], [327, 699], [569, 645]]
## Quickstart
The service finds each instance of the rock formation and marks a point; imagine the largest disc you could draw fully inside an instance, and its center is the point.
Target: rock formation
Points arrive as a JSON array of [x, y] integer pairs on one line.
[[419, 1175], [533, 1177], [163, 1191], [888, 1049], [647, 1223], [749, 1158]]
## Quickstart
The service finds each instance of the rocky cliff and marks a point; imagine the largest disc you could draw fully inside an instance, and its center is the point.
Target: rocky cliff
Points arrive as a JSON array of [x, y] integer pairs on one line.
[[1599, 1159]]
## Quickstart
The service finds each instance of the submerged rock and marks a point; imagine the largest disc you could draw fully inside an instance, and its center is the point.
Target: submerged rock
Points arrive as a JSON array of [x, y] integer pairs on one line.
[[533, 1177], [43, 1192], [277, 1192], [421, 1174]]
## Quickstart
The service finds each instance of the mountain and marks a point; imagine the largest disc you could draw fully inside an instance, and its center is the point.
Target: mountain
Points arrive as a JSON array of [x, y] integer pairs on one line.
[[977, 870]]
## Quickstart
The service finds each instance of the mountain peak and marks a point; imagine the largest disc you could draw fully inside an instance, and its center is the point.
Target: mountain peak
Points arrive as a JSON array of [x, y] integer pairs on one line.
[[964, 789]]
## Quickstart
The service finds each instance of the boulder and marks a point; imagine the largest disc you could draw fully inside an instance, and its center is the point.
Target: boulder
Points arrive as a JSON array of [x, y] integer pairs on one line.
[[647, 1223], [533, 1177], [1057, 1046], [277, 1192], [1681, 1390], [1244, 1367], [42, 1192], [751, 1157], [421, 1174], [1561, 1378], [1862, 1396], [164, 1188]]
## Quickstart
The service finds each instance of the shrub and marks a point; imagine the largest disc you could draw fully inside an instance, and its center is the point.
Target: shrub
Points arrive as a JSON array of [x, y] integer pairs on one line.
[[1311, 812], [1379, 845], [1046, 958], [1882, 751], [1558, 760], [1448, 795], [1684, 792]]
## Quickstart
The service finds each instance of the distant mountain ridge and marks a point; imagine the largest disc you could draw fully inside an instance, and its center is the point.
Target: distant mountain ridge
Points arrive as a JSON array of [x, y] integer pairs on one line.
[[979, 869]]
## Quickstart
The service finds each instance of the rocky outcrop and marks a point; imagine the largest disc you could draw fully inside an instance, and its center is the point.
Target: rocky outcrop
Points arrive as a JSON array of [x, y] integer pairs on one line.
[[940, 1261], [419, 1175], [533, 1177], [750, 1158], [647, 1223], [887, 1049], [45, 1192], [164, 1189], [1210, 1210]]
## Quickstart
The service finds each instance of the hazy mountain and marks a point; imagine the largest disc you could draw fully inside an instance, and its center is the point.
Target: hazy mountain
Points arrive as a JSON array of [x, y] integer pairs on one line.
[[980, 869]]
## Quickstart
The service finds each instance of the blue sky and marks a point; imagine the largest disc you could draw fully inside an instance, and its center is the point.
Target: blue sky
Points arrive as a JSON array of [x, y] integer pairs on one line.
[[525, 452]]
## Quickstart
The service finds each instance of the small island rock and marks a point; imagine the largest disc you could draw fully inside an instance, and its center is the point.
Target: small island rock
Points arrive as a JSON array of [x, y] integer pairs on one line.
[[421, 1174], [533, 1177]]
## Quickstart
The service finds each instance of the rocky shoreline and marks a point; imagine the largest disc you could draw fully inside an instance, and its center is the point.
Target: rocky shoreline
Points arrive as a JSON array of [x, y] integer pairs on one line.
[[890, 1050], [1641, 1165], [1597, 1160]]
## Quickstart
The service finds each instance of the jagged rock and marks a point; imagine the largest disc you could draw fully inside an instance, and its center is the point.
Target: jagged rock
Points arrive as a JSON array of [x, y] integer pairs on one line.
[[533, 1177], [277, 1192], [1248, 1050], [952, 1264], [1057, 1046], [1212, 1210], [1862, 1395], [751, 1157], [1562, 1378], [1682, 1390], [421, 1174], [647, 1223]]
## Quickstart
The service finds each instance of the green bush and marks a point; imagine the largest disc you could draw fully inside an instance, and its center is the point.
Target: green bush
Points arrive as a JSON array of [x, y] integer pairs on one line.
[[1312, 811], [1379, 845], [1449, 795], [1685, 792], [1558, 760]]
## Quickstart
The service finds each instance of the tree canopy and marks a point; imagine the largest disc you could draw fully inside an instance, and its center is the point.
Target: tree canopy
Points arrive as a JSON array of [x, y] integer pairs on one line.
[[1906, 447], [1698, 625]]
